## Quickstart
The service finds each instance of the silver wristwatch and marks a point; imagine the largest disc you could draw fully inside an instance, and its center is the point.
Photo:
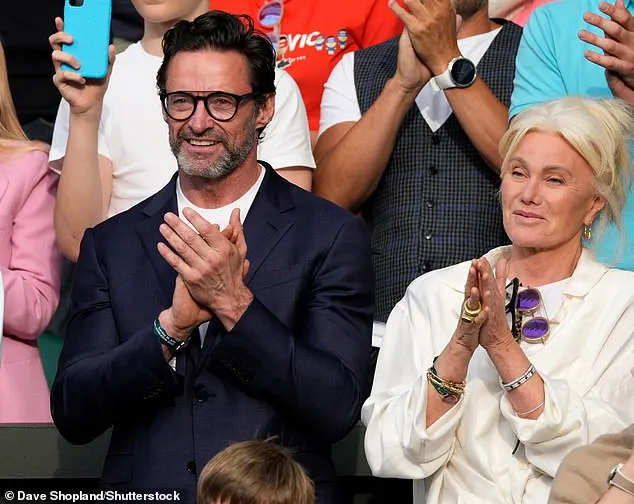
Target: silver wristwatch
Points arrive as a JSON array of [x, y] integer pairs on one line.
[[460, 73], [617, 479]]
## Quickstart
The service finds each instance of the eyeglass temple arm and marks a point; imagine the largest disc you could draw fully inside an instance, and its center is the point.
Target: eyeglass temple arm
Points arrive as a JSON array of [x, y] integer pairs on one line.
[[511, 306]]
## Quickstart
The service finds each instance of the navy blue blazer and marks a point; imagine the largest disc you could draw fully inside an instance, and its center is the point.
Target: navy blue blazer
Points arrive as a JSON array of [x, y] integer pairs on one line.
[[295, 366]]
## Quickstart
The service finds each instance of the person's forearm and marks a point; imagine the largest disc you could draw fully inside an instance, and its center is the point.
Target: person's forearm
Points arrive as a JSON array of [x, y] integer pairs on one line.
[[350, 171], [79, 202], [84, 403], [452, 365], [511, 363], [314, 135], [293, 373], [616, 495], [483, 118], [301, 176]]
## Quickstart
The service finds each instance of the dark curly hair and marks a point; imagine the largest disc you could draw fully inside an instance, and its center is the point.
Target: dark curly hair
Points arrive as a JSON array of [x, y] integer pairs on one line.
[[220, 31]]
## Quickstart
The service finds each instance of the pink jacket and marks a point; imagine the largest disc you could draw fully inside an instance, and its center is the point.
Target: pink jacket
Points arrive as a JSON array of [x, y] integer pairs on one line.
[[30, 264]]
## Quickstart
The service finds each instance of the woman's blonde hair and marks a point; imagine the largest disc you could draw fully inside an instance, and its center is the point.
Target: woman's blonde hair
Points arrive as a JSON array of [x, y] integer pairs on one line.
[[599, 130], [12, 135], [254, 472]]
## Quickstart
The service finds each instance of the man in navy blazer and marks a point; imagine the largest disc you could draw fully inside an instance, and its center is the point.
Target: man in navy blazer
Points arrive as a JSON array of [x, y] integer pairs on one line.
[[191, 331]]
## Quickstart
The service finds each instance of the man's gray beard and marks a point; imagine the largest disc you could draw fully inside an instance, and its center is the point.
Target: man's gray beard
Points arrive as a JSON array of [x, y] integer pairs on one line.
[[467, 8], [230, 160]]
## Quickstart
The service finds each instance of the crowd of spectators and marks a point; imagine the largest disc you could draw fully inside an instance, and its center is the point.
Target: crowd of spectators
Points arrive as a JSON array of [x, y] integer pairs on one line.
[[435, 223]]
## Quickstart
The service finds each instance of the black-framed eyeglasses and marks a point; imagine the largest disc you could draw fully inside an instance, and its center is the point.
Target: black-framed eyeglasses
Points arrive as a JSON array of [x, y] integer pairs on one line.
[[221, 106]]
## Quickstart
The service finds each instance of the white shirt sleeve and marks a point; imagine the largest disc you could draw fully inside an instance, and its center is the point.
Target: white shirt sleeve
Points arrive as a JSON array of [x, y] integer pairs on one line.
[[339, 102], [398, 442], [286, 140], [571, 419], [60, 137]]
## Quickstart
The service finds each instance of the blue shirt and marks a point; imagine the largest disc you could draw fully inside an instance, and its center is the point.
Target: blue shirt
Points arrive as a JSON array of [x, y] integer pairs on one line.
[[550, 64]]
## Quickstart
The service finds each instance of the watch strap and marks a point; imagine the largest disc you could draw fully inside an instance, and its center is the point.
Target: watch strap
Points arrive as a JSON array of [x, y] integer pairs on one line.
[[443, 80], [620, 481]]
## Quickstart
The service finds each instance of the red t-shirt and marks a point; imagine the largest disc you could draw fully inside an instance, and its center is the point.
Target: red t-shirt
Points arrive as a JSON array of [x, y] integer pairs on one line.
[[318, 33]]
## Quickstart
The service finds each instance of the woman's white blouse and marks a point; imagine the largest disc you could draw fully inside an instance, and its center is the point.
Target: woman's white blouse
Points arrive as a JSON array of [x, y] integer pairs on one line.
[[480, 452]]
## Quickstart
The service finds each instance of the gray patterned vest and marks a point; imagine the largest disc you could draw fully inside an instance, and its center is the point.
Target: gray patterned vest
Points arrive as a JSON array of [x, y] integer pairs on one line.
[[437, 203]]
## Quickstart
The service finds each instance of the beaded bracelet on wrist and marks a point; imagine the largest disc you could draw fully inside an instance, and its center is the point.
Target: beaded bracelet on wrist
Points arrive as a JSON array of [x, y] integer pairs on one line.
[[172, 343], [449, 390]]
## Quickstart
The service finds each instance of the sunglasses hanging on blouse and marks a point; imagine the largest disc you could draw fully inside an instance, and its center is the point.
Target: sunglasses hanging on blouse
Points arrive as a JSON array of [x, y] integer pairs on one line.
[[525, 303]]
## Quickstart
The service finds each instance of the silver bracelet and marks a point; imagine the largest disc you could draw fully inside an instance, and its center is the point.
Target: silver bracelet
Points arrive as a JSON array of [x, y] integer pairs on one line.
[[532, 410], [508, 387]]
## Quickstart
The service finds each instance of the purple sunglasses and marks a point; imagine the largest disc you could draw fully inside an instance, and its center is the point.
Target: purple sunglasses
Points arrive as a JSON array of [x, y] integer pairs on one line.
[[521, 303], [535, 329]]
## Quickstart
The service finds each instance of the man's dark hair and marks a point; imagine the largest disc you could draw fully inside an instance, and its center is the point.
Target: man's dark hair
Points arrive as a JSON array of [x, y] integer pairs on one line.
[[220, 31]]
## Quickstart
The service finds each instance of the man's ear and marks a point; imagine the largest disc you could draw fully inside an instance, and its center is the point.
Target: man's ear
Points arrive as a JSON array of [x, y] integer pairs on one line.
[[266, 110]]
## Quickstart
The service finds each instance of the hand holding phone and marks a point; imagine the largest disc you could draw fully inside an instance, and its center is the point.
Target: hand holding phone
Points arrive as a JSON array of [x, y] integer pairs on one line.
[[83, 95], [88, 22]]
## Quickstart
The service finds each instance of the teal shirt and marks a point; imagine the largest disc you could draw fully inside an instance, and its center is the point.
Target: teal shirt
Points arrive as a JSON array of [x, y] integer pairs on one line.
[[550, 64]]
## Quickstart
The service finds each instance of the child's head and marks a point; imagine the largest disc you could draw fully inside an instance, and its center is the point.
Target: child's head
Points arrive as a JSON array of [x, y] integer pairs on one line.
[[254, 472]]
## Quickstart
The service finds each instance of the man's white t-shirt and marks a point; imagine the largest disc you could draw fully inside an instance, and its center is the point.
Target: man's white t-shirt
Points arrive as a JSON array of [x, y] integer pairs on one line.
[[219, 216], [134, 136]]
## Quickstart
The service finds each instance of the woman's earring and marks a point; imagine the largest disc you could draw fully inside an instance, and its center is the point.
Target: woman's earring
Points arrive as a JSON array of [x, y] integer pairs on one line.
[[587, 233]]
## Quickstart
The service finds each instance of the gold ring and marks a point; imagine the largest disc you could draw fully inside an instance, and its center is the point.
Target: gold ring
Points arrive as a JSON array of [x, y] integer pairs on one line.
[[469, 314]]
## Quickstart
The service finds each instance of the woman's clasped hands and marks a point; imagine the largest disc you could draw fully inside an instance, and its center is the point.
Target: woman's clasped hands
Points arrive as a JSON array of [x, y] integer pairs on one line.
[[483, 319]]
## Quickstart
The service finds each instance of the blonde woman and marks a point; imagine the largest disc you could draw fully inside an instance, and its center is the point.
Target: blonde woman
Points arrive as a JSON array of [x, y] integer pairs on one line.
[[29, 265], [492, 370]]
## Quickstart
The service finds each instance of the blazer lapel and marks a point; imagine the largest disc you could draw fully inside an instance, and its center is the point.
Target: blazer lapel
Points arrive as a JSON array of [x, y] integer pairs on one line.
[[268, 219], [266, 223], [164, 201]]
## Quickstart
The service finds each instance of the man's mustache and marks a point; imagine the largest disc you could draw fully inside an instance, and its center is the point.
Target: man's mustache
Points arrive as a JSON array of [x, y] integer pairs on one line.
[[207, 135]]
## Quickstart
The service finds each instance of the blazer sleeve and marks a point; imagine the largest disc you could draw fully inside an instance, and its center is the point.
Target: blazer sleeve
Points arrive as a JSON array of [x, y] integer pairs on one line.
[[319, 370], [32, 278], [100, 378], [398, 442]]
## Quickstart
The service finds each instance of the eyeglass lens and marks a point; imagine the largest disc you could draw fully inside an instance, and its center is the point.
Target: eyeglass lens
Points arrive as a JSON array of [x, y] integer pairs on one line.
[[536, 328], [220, 106], [528, 300]]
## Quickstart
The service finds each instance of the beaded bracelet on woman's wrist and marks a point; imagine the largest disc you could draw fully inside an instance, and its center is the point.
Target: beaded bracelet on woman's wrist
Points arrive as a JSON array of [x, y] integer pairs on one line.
[[449, 390]]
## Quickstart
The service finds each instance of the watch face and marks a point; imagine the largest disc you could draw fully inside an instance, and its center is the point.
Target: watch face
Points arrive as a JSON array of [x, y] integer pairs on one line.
[[463, 72], [613, 472]]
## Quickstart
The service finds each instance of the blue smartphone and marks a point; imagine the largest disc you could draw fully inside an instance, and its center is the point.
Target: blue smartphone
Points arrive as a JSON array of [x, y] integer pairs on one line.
[[88, 21]]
